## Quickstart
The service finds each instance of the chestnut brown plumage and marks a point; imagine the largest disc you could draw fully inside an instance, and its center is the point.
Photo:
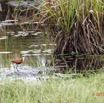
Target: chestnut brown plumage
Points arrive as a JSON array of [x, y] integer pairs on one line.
[[17, 61]]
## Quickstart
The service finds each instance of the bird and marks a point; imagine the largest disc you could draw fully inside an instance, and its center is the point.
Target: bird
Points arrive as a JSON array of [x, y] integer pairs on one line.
[[17, 61]]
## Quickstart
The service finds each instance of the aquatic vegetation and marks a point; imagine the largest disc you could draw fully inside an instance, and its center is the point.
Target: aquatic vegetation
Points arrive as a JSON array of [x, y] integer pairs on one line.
[[78, 25], [66, 12]]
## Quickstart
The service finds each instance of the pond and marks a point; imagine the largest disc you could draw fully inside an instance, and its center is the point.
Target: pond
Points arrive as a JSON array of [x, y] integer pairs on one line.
[[36, 48]]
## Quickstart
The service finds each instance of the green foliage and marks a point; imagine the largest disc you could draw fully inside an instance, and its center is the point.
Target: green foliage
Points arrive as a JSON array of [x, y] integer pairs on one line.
[[79, 90], [65, 13]]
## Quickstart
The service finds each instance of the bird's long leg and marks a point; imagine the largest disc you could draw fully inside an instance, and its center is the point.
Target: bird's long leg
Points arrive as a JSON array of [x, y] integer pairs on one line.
[[17, 68], [14, 67]]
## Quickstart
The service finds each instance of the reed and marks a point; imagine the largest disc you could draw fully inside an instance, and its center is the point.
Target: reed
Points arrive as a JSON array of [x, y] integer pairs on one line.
[[65, 13], [78, 25]]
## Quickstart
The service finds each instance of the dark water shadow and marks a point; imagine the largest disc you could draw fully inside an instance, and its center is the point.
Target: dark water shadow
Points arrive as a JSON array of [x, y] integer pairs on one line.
[[79, 63]]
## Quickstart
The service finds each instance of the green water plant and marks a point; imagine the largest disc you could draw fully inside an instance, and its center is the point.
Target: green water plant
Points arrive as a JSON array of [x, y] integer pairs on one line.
[[66, 12], [78, 25]]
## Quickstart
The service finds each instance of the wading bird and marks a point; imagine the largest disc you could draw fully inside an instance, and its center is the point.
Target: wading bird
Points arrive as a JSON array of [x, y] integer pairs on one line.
[[17, 61]]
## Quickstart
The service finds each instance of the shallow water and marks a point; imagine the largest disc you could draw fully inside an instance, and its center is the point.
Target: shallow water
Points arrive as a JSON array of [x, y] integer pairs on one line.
[[35, 48]]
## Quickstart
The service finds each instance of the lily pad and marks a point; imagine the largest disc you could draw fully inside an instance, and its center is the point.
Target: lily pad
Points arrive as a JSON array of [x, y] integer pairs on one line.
[[5, 52], [3, 37]]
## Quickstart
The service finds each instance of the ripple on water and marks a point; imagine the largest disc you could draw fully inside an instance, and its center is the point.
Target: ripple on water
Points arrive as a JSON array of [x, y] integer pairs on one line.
[[26, 73]]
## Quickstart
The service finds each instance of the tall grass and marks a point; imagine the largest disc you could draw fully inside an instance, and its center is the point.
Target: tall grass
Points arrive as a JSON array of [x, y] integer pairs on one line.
[[79, 90], [66, 12]]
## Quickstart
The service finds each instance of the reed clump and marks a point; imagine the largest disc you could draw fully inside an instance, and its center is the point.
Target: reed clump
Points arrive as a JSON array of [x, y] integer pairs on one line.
[[77, 25]]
